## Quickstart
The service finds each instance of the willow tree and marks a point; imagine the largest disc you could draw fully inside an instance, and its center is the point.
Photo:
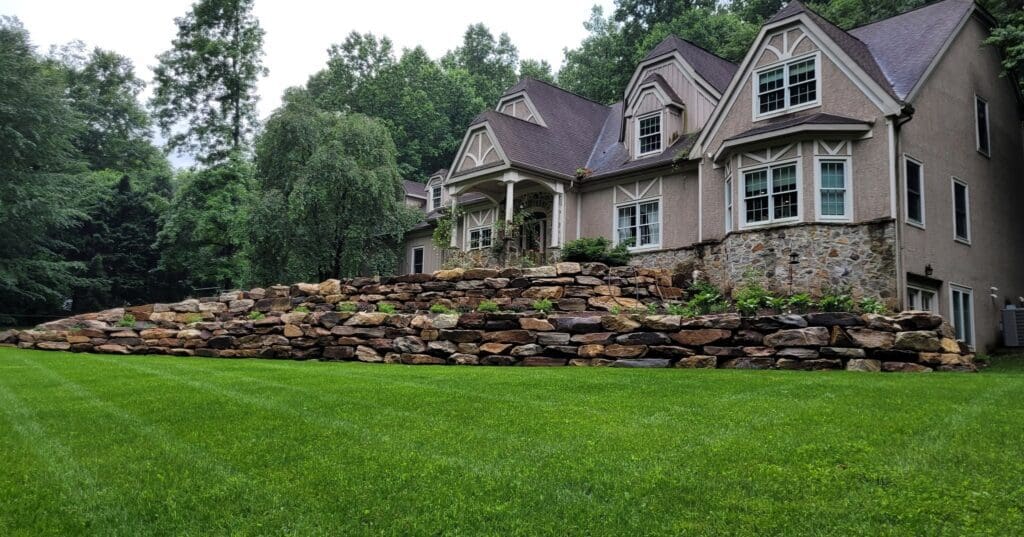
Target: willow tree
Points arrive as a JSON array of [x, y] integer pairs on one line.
[[329, 198]]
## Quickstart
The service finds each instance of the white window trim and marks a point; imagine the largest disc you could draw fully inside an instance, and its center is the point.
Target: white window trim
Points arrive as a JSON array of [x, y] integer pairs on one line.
[[469, 232], [977, 128], [430, 197], [756, 114], [730, 204], [955, 288], [923, 289], [967, 200], [638, 203], [412, 259], [661, 134], [848, 181], [906, 199], [772, 221]]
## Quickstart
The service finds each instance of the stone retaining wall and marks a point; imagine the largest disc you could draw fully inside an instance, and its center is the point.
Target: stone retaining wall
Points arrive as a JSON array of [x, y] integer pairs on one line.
[[302, 321]]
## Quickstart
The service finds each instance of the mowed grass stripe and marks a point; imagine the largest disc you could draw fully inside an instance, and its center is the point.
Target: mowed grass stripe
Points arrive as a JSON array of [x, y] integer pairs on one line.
[[487, 451]]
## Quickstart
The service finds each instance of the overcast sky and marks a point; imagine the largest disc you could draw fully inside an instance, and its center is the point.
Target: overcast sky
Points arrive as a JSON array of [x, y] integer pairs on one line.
[[298, 32]]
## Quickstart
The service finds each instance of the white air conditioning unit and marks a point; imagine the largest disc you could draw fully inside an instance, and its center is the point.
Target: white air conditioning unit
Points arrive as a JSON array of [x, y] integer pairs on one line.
[[1013, 327]]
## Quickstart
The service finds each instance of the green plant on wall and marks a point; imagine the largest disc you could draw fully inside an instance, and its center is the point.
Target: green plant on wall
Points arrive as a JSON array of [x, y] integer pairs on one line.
[[445, 226]]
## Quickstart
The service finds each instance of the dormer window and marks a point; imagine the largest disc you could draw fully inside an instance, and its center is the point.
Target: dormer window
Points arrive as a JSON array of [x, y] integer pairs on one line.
[[435, 197], [787, 87], [648, 131]]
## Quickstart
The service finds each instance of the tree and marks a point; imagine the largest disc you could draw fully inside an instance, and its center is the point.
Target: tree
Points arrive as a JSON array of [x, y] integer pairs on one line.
[[638, 17], [541, 70], [357, 60], [207, 80], [491, 63], [39, 186], [720, 31], [330, 200], [202, 233], [1010, 38], [600, 67]]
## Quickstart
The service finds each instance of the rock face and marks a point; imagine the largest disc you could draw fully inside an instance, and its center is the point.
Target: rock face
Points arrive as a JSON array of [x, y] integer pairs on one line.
[[597, 321]]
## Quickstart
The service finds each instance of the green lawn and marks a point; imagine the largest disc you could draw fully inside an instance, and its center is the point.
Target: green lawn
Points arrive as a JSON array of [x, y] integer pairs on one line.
[[107, 445]]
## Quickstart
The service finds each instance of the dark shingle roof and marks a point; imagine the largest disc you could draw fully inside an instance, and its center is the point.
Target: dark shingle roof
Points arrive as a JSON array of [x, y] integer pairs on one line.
[[812, 119], [412, 188], [853, 47], [573, 125], [660, 81], [905, 45], [611, 157], [717, 71]]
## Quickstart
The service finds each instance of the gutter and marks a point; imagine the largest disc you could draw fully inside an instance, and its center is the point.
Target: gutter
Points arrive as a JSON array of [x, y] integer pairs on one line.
[[896, 123]]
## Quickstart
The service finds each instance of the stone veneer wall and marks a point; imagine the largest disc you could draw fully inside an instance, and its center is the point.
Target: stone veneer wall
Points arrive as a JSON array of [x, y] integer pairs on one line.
[[221, 327], [861, 256]]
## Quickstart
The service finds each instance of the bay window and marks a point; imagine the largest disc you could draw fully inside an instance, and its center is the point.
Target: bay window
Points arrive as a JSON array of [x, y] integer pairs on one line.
[[771, 194], [834, 196]]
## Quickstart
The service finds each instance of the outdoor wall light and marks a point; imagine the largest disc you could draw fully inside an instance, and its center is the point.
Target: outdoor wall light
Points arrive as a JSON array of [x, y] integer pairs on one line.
[[928, 270]]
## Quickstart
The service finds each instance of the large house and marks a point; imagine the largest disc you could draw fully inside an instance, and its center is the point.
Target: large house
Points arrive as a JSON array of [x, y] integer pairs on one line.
[[886, 159]]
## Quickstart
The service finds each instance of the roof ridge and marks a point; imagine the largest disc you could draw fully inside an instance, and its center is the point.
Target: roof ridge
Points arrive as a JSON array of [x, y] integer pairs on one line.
[[559, 88], [900, 14]]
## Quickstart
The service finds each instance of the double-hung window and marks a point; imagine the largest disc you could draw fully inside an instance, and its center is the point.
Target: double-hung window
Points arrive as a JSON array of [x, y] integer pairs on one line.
[[790, 85], [479, 238], [771, 195], [417, 260], [638, 224], [961, 212], [914, 192], [981, 126], [834, 194], [648, 130], [962, 313], [435, 197]]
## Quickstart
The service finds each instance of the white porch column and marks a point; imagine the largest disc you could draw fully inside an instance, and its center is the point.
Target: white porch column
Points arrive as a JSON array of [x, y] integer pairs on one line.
[[556, 219], [455, 221], [510, 188]]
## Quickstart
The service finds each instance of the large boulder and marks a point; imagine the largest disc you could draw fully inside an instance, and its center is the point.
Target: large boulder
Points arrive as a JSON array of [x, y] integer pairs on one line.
[[700, 337], [871, 339], [815, 336], [918, 340]]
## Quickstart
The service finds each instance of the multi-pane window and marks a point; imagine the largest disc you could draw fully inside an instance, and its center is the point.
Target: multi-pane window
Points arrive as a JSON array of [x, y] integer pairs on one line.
[[639, 224], [435, 197], [649, 134], [962, 312], [915, 192], [479, 238], [961, 212], [981, 124], [921, 299], [417, 260], [833, 189], [787, 86], [770, 194], [728, 205]]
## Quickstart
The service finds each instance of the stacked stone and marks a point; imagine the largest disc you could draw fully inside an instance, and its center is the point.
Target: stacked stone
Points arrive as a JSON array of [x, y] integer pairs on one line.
[[910, 342]]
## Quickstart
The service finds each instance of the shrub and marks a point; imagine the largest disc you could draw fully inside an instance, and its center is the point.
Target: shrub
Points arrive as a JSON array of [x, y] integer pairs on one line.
[[706, 298], [256, 315], [678, 309], [348, 307], [750, 297], [384, 307], [301, 309], [777, 303], [440, 308], [836, 301], [127, 321], [487, 306], [652, 309], [800, 303], [596, 250], [872, 305], [543, 305], [193, 318]]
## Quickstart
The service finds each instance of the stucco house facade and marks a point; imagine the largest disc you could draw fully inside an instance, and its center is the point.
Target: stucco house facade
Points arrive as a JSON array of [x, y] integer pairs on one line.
[[886, 159]]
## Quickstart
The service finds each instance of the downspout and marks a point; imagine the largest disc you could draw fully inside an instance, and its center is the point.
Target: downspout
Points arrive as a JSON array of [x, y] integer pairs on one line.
[[896, 171]]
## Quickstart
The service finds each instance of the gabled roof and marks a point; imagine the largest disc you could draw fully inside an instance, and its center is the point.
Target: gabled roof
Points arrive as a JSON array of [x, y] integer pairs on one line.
[[573, 125], [655, 78], [853, 47], [906, 45], [717, 71]]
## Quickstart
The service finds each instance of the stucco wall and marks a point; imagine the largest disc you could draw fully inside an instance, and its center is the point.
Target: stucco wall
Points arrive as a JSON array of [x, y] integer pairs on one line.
[[942, 136]]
